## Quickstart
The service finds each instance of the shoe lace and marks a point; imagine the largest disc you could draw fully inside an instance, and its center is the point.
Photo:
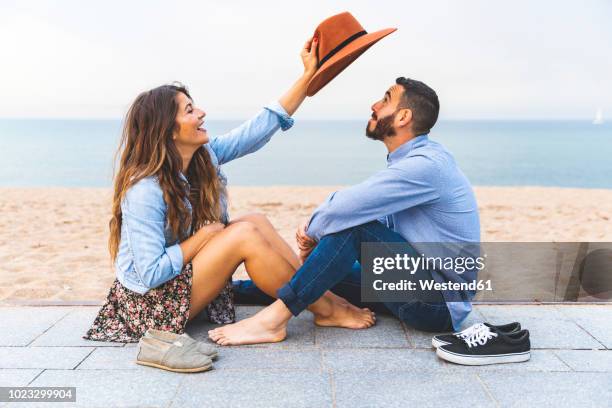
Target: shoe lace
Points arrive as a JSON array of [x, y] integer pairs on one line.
[[479, 337], [470, 330]]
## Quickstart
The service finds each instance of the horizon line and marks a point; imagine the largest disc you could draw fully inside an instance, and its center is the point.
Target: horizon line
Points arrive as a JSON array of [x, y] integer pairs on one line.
[[310, 119]]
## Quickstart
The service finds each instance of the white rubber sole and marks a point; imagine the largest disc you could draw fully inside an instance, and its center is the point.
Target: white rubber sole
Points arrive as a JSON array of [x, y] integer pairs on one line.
[[483, 360], [437, 343]]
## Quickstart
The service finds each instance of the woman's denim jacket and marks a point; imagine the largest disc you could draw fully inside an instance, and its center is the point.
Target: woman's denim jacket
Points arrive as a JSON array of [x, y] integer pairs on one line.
[[148, 254]]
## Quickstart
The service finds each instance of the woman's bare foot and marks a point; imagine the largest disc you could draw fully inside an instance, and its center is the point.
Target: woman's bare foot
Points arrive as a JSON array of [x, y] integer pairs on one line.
[[267, 326], [338, 312]]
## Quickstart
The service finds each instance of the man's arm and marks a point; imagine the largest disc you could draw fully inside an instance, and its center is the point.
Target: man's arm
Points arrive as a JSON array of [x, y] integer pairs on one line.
[[396, 188]]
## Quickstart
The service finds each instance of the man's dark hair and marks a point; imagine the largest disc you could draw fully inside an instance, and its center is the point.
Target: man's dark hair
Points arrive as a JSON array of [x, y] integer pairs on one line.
[[422, 101]]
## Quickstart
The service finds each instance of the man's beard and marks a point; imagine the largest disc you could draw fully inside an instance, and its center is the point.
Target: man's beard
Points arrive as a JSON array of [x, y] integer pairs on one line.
[[383, 129]]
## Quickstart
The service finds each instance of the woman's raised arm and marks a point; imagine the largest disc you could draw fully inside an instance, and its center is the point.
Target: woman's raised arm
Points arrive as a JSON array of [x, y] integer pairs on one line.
[[253, 134], [294, 97]]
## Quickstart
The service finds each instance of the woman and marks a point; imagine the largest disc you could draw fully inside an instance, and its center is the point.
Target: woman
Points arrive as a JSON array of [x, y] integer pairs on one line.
[[173, 245]]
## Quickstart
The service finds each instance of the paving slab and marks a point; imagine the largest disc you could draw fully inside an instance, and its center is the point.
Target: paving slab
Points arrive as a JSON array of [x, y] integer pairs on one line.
[[408, 389], [386, 365], [42, 357], [553, 390], [386, 333], [116, 358], [541, 360], [260, 359], [300, 330], [587, 360], [113, 388], [69, 331], [254, 389], [21, 325], [548, 327], [229, 358], [17, 377], [422, 340], [595, 319], [374, 360]]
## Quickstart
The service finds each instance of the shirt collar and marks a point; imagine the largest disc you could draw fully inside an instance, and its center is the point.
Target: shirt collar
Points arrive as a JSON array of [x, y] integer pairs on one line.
[[405, 148]]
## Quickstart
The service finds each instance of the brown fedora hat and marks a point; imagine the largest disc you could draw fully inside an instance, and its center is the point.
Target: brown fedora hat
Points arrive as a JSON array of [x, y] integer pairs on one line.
[[341, 41]]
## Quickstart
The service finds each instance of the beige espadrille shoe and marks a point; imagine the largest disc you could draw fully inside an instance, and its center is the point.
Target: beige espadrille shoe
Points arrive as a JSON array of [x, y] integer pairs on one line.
[[170, 337], [176, 356]]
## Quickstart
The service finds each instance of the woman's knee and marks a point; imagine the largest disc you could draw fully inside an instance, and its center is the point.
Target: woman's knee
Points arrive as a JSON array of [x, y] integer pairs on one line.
[[254, 218], [244, 231]]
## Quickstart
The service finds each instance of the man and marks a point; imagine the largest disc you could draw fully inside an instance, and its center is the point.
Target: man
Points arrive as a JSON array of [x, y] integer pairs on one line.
[[421, 197]]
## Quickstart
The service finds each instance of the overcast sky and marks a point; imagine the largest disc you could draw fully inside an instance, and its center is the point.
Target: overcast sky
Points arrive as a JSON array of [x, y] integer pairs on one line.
[[486, 59]]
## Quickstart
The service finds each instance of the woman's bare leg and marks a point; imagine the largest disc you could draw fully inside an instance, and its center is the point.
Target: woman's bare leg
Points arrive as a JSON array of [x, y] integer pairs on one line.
[[332, 310], [243, 242], [329, 310], [281, 246], [271, 234], [219, 258]]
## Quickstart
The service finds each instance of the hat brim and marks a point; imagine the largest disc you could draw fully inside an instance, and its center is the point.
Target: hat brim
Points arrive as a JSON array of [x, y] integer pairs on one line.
[[336, 64]]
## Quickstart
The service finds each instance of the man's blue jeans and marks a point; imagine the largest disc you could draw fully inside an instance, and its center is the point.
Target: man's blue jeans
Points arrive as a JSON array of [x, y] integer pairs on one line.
[[333, 265]]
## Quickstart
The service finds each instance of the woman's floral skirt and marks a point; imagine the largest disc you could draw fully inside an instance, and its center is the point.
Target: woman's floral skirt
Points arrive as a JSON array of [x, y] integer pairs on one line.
[[127, 315]]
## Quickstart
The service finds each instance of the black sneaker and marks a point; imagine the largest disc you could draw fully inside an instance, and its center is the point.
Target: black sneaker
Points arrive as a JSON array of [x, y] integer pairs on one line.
[[488, 347], [457, 338]]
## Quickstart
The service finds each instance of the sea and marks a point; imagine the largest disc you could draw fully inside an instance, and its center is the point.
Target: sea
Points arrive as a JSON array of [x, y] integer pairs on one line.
[[80, 153]]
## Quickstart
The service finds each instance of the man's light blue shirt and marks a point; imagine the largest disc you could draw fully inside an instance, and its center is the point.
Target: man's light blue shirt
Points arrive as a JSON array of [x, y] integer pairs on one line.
[[149, 255], [422, 195]]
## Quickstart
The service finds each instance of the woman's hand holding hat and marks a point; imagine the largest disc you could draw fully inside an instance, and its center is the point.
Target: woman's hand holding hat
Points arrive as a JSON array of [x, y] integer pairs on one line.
[[309, 57], [294, 97]]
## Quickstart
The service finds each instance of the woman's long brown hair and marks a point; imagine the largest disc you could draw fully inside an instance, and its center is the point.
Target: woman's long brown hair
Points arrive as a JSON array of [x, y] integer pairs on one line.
[[147, 149]]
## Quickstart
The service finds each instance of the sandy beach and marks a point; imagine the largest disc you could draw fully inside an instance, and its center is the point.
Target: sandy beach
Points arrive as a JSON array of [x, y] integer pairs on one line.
[[53, 240]]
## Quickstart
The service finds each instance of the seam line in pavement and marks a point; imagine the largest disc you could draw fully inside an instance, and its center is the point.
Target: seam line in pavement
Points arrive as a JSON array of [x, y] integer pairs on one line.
[[84, 358], [322, 364], [36, 376], [587, 332], [48, 328], [178, 388], [560, 310], [486, 389], [563, 361], [332, 385], [407, 336]]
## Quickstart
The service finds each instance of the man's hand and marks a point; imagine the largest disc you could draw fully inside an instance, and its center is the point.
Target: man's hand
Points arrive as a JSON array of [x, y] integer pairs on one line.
[[304, 254], [303, 240], [305, 243]]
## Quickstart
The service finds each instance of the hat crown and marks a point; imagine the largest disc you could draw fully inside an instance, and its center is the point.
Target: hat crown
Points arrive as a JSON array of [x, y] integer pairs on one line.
[[333, 31]]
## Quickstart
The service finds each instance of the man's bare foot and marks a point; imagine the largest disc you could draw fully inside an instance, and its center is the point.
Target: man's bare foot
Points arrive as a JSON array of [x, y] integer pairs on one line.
[[344, 314], [332, 296], [267, 326]]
